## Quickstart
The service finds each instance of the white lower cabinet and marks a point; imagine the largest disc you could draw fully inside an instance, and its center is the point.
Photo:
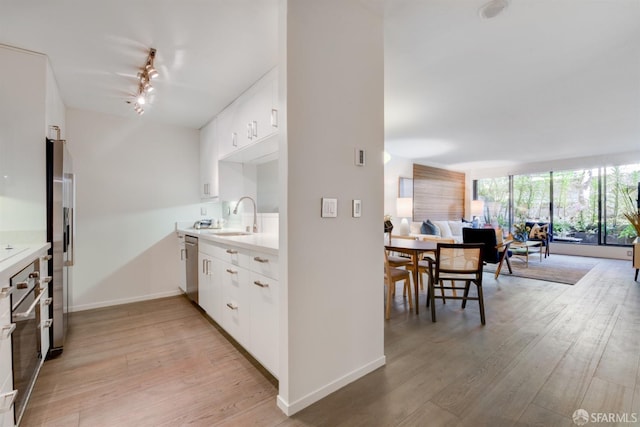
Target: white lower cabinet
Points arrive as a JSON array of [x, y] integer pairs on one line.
[[238, 288], [208, 282], [235, 302], [263, 300]]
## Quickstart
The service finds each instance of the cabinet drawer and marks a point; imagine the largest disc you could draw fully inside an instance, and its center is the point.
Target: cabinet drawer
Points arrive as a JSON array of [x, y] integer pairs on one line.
[[206, 248], [232, 255], [6, 417], [267, 265]]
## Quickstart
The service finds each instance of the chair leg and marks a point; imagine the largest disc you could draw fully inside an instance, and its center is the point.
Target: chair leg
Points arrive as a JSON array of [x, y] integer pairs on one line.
[[444, 301], [390, 287], [432, 292], [466, 293], [481, 302], [407, 288]]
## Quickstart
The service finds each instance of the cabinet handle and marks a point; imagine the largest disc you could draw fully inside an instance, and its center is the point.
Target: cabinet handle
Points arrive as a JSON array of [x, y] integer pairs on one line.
[[31, 307], [182, 254], [274, 118], [6, 400], [46, 257], [230, 271], [232, 251], [262, 260], [34, 275], [46, 324], [7, 330], [45, 280], [6, 291], [254, 126], [48, 301], [231, 306], [234, 139], [22, 285], [249, 130], [259, 283], [206, 189], [208, 267], [204, 271]]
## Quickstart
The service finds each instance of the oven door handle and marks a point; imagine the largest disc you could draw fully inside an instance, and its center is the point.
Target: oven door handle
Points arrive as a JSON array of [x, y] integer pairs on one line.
[[33, 305]]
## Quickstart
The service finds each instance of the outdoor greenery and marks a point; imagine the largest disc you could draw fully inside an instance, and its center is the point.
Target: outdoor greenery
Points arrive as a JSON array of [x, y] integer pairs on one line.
[[588, 205]]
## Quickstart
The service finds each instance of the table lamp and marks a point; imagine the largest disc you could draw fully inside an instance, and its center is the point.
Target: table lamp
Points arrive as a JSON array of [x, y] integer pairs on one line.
[[405, 210], [477, 209]]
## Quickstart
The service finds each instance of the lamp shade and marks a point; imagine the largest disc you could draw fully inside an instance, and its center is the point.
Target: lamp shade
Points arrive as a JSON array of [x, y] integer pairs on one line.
[[404, 207], [477, 208]]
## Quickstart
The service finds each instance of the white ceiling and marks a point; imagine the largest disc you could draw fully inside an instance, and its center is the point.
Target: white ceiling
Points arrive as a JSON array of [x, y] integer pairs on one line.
[[544, 79]]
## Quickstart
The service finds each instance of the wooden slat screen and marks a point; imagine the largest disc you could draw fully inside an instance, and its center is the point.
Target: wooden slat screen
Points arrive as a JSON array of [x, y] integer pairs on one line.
[[438, 194]]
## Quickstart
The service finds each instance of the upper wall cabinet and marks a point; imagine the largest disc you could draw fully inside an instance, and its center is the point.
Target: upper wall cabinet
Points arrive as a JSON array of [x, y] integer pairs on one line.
[[208, 161], [249, 120]]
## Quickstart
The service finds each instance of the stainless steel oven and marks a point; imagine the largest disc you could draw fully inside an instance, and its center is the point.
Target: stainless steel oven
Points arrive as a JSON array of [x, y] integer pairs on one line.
[[26, 338]]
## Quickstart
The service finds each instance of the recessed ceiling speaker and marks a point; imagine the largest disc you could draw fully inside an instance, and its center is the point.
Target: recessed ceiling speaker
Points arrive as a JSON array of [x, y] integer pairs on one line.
[[493, 8]]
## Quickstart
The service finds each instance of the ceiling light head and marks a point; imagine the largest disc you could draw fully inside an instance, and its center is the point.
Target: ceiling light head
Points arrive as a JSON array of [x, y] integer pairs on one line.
[[146, 87], [493, 8], [141, 99], [151, 72]]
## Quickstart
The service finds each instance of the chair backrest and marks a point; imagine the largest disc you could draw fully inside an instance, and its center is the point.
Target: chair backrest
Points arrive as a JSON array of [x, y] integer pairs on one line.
[[461, 258], [487, 236]]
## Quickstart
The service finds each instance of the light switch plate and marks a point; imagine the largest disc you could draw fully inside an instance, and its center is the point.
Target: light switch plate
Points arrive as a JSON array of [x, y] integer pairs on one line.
[[356, 208], [329, 208]]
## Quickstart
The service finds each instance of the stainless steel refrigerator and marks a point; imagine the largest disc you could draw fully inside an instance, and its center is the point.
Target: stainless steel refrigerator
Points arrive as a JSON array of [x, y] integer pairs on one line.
[[60, 233]]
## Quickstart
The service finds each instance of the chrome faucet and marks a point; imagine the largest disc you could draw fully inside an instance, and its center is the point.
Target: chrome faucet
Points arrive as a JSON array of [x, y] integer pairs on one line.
[[255, 212]]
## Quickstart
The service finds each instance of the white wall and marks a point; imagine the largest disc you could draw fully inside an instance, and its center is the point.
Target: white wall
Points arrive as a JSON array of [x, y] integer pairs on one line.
[[332, 324], [394, 169], [23, 96], [134, 179]]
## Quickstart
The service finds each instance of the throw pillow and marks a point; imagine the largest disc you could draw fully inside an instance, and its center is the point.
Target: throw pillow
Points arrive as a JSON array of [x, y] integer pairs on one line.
[[443, 228], [428, 228], [539, 232]]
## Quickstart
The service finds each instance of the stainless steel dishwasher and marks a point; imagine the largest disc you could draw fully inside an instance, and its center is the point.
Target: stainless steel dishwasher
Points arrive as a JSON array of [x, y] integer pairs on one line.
[[191, 249]]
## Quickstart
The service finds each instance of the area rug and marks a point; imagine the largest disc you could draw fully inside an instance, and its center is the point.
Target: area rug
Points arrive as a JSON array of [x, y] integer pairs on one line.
[[555, 268]]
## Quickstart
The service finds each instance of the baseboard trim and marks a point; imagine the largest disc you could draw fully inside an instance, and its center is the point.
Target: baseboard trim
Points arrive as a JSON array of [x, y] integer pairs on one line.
[[110, 303], [291, 408]]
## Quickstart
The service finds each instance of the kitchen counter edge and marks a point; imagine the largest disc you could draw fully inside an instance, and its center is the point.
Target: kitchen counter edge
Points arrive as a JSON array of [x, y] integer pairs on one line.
[[267, 243]]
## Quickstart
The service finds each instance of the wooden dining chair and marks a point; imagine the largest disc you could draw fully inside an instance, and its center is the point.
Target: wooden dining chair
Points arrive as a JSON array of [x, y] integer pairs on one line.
[[423, 264], [457, 262], [392, 275]]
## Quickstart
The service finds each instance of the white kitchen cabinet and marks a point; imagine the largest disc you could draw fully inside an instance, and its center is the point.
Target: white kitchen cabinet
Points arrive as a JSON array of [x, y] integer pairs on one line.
[[238, 288], [208, 161], [236, 314], [182, 265], [208, 282], [226, 139], [250, 119], [263, 331]]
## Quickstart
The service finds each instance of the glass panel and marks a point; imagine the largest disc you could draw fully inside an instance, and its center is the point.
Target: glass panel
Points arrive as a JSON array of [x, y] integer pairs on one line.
[[617, 229], [495, 194], [575, 204], [531, 198]]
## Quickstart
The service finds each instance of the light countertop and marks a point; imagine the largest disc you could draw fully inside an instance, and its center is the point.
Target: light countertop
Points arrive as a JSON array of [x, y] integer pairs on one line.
[[14, 260], [262, 242]]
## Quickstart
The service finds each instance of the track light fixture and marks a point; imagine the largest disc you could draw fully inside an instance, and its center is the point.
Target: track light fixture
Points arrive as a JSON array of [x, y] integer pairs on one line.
[[146, 74]]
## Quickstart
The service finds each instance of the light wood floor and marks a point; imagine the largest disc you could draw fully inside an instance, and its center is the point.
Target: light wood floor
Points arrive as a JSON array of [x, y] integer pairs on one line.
[[547, 350]]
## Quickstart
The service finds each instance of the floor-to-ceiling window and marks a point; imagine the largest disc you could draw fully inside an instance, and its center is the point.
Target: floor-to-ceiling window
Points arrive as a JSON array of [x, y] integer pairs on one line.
[[583, 206]]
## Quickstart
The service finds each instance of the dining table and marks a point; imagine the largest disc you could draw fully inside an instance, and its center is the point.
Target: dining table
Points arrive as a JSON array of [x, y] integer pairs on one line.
[[413, 248]]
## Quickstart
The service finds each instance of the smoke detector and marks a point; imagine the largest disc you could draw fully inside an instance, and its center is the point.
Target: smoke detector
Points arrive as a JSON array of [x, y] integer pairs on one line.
[[493, 8]]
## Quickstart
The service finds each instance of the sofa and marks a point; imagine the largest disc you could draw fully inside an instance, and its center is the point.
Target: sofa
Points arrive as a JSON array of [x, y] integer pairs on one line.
[[438, 230]]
